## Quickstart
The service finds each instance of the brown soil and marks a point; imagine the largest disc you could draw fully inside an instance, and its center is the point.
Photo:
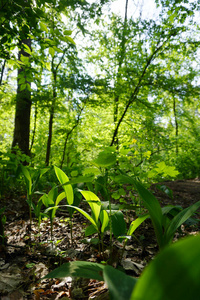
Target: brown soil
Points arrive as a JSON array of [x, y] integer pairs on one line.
[[185, 192]]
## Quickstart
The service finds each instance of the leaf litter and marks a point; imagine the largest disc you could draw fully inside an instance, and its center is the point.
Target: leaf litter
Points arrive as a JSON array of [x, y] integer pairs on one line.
[[30, 255]]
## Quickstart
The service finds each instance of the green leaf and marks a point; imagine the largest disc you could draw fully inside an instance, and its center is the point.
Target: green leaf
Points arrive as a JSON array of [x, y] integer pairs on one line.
[[105, 159], [119, 284], [153, 206], [118, 224], [48, 66], [28, 179], [23, 87], [46, 200], [43, 27], [51, 51], [78, 269], [178, 220], [136, 223], [173, 275], [27, 49], [104, 218], [85, 214], [62, 177], [60, 197], [67, 32], [22, 80], [52, 195], [94, 203], [69, 39], [90, 230]]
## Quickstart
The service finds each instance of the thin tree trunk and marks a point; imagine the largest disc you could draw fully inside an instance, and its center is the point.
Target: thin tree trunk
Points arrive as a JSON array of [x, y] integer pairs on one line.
[[2, 71], [176, 123], [48, 152], [134, 95], [117, 87], [67, 137], [34, 127], [23, 108], [52, 109]]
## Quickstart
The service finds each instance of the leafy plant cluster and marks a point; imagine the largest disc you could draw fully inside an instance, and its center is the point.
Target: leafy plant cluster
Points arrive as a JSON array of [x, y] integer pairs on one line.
[[104, 215]]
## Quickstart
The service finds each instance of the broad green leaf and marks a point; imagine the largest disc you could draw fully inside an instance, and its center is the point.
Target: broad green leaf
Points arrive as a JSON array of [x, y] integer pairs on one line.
[[118, 224], [85, 214], [60, 197], [48, 66], [43, 27], [178, 220], [43, 171], [78, 269], [28, 86], [119, 284], [173, 275], [91, 170], [58, 49], [28, 179], [52, 195], [90, 230], [153, 206], [22, 80], [70, 40], [67, 32], [136, 223], [151, 203], [46, 200], [62, 177], [104, 218], [94, 203], [23, 87], [27, 49], [38, 208], [51, 51], [105, 159]]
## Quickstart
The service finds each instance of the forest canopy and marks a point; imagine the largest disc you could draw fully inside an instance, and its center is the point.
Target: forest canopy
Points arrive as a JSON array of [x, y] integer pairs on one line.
[[81, 83]]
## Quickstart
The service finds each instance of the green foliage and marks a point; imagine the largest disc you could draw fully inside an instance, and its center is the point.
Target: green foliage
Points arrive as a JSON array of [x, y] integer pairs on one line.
[[63, 179], [31, 180], [173, 274], [164, 231]]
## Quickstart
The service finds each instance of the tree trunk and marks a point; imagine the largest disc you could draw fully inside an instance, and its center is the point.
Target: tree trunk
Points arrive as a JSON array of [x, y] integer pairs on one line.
[[115, 140], [54, 70], [49, 136], [23, 108], [176, 123]]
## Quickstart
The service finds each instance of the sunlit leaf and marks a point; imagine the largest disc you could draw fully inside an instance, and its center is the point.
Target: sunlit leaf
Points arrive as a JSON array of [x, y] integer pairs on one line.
[[62, 177], [94, 203]]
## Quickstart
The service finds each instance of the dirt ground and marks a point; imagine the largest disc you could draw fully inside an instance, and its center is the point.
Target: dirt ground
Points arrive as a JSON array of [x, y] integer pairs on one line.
[[185, 192], [28, 257]]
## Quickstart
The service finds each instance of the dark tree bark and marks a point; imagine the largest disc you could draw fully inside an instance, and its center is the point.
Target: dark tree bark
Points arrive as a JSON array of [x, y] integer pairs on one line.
[[23, 108], [2, 71]]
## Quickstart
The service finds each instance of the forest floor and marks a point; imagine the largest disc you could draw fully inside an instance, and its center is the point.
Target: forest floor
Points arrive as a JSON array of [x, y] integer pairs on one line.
[[29, 255]]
